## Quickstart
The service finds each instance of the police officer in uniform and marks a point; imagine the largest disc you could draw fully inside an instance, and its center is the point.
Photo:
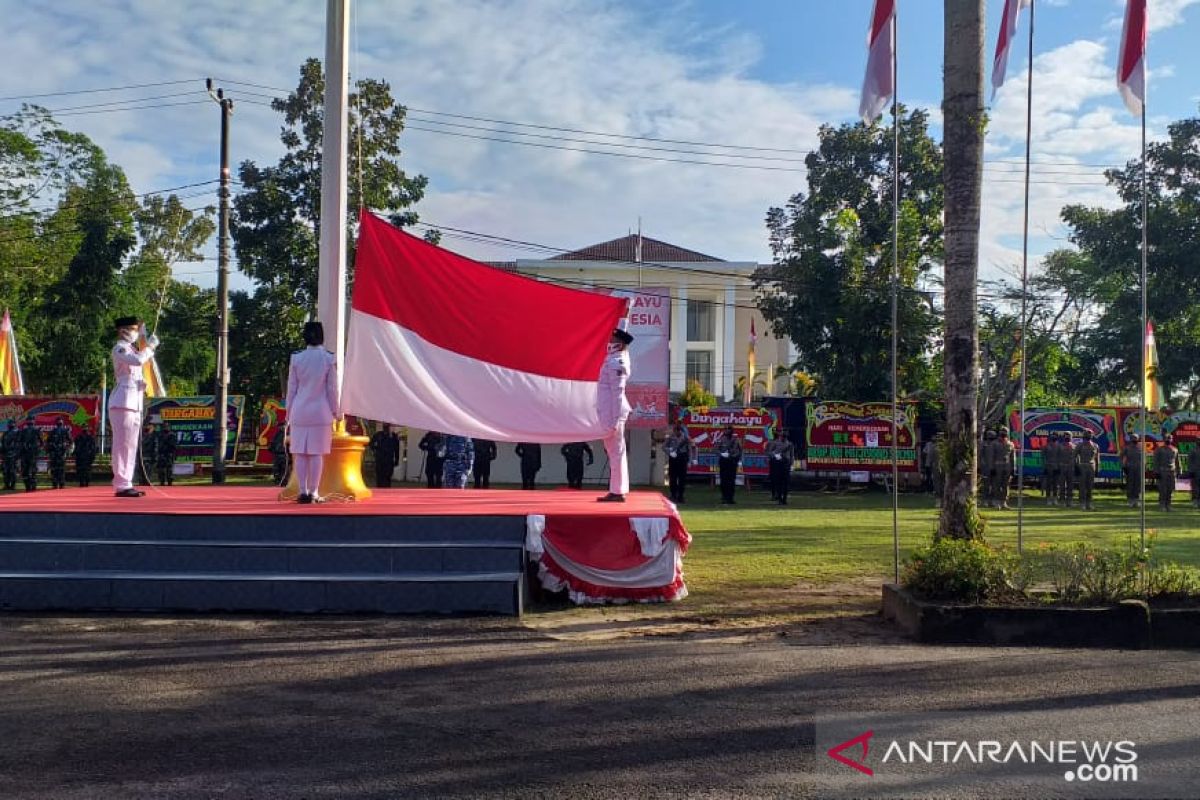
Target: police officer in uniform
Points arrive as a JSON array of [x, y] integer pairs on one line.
[[29, 448], [58, 446], [1133, 464], [481, 470], [531, 461], [460, 456], [433, 443], [1166, 466], [1087, 461], [987, 467], [164, 455], [780, 455], [9, 450], [125, 403], [85, 456], [574, 452], [1005, 453], [729, 455], [679, 451], [385, 445]]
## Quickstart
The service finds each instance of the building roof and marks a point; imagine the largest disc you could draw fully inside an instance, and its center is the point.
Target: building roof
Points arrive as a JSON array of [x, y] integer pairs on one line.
[[625, 249]]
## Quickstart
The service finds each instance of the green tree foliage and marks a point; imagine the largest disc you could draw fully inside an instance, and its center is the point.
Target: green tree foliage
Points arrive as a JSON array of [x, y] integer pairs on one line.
[[277, 218], [829, 288], [1105, 273]]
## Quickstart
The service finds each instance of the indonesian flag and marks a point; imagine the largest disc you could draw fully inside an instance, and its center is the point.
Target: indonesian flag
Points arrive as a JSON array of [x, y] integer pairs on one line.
[[1154, 391], [11, 381], [1008, 32], [1131, 64], [440, 342], [878, 86]]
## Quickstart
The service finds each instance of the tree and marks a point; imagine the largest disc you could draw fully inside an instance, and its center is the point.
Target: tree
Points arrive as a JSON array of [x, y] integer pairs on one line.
[[1105, 273], [276, 219], [829, 288], [962, 111]]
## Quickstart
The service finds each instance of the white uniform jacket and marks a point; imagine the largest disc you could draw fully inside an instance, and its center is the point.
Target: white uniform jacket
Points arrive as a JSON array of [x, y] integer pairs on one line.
[[130, 386], [612, 405], [312, 388]]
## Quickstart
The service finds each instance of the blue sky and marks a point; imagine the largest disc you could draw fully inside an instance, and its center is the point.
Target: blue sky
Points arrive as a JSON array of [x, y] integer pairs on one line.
[[764, 73]]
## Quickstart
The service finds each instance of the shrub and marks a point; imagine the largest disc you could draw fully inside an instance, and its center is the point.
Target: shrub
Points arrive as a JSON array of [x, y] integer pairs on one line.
[[954, 569]]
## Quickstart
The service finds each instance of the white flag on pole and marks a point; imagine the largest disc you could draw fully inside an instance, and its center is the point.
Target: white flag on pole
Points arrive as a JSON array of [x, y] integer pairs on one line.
[[878, 85]]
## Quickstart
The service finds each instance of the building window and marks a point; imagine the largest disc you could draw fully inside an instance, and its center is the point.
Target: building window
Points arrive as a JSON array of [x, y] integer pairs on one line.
[[700, 368], [701, 322]]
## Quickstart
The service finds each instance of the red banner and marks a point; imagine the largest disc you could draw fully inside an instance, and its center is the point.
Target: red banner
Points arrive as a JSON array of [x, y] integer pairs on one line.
[[754, 426], [274, 417]]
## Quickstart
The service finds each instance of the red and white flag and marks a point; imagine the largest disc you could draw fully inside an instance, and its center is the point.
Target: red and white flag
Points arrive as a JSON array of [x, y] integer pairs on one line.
[[1131, 61], [1008, 32], [878, 85], [440, 342]]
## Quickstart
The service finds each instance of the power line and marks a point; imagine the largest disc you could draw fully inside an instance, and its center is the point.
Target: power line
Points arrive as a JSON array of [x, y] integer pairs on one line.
[[95, 91]]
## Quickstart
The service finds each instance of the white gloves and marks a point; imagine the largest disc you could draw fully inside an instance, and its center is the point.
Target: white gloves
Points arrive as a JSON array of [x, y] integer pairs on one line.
[[152, 340]]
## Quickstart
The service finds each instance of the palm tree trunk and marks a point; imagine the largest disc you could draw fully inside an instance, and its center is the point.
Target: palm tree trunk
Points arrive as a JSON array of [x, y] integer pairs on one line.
[[962, 109]]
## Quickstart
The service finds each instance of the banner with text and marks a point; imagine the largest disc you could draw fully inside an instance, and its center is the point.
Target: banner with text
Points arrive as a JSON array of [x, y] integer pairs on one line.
[[193, 422], [842, 437], [755, 427], [77, 411], [650, 355]]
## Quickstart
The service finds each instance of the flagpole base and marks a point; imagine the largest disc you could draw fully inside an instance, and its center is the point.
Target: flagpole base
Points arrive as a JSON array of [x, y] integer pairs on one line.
[[341, 475]]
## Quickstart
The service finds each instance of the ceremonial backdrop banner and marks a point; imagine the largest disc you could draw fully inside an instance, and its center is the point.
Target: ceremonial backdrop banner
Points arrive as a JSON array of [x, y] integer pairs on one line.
[[77, 411], [842, 436], [440, 342], [650, 384], [193, 423], [754, 426]]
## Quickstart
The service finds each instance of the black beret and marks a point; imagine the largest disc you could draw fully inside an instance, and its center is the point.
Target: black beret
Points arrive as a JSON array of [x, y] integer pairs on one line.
[[624, 336]]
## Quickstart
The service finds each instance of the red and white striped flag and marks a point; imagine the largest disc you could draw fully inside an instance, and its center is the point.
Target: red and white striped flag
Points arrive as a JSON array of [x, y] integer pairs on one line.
[[878, 85], [1008, 32], [1131, 63], [440, 342]]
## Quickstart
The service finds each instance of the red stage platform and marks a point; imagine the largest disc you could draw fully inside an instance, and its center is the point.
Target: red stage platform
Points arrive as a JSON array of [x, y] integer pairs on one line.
[[240, 548], [223, 500]]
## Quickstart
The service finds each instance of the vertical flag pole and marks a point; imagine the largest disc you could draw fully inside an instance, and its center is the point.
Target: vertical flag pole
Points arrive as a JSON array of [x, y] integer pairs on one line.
[[1020, 433], [895, 292], [1145, 330]]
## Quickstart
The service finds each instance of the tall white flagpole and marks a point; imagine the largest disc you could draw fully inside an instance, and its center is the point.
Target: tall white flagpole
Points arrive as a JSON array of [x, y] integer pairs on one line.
[[331, 274], [1025, 294], [895, 293]]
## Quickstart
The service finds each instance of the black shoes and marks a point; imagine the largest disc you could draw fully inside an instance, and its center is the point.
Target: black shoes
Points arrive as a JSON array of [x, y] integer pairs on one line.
[[130, 493], [304, 499], [611, 498]]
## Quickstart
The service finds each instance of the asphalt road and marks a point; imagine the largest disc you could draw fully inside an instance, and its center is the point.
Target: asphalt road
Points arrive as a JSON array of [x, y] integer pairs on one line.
[[97, 707]]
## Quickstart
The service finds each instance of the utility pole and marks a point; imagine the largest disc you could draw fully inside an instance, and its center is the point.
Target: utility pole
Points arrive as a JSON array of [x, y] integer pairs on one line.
[[221, 400]]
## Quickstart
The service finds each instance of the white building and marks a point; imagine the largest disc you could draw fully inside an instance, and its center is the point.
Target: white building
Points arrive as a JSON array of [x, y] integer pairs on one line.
[[712, 305]]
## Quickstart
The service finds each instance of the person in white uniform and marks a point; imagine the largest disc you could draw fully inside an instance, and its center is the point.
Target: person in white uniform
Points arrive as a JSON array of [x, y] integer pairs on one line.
[[126, 401], [312, 404], [614, 409]]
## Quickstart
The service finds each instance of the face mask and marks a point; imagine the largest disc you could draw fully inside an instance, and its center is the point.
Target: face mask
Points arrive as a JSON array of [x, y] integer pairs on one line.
[[129, 336]]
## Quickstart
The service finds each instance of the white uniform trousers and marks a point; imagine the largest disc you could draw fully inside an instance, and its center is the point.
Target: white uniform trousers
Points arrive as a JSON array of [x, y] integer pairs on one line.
[[618, 461], [126, 428]]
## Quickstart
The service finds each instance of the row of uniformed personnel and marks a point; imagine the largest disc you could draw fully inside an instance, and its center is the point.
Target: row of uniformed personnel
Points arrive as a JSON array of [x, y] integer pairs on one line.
[[20, 448]]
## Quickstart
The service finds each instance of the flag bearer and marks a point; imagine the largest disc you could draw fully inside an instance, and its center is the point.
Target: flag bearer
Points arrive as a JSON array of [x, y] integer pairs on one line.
[[126, 402]]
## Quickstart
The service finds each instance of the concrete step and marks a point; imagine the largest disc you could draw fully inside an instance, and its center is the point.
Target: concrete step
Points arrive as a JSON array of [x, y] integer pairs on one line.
[[498, 592]]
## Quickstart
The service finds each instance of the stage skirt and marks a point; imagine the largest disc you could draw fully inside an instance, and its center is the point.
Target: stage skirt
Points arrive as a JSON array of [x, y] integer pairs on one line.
[[311, 440]]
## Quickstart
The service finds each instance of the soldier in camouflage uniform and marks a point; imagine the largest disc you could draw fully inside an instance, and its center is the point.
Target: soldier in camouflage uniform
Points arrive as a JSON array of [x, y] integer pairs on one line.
[[1005, 453], [8, 452], [28, 449], [1066, 464], [58, 445], [987, 468], [85, 456], [147, 454], [1166, 467], [1133, 464], [1087, 462], [164, 455], [460, 457]]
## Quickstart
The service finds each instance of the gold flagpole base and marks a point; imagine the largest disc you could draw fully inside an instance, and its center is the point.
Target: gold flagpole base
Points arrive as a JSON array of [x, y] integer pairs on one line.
[[341, 475]]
